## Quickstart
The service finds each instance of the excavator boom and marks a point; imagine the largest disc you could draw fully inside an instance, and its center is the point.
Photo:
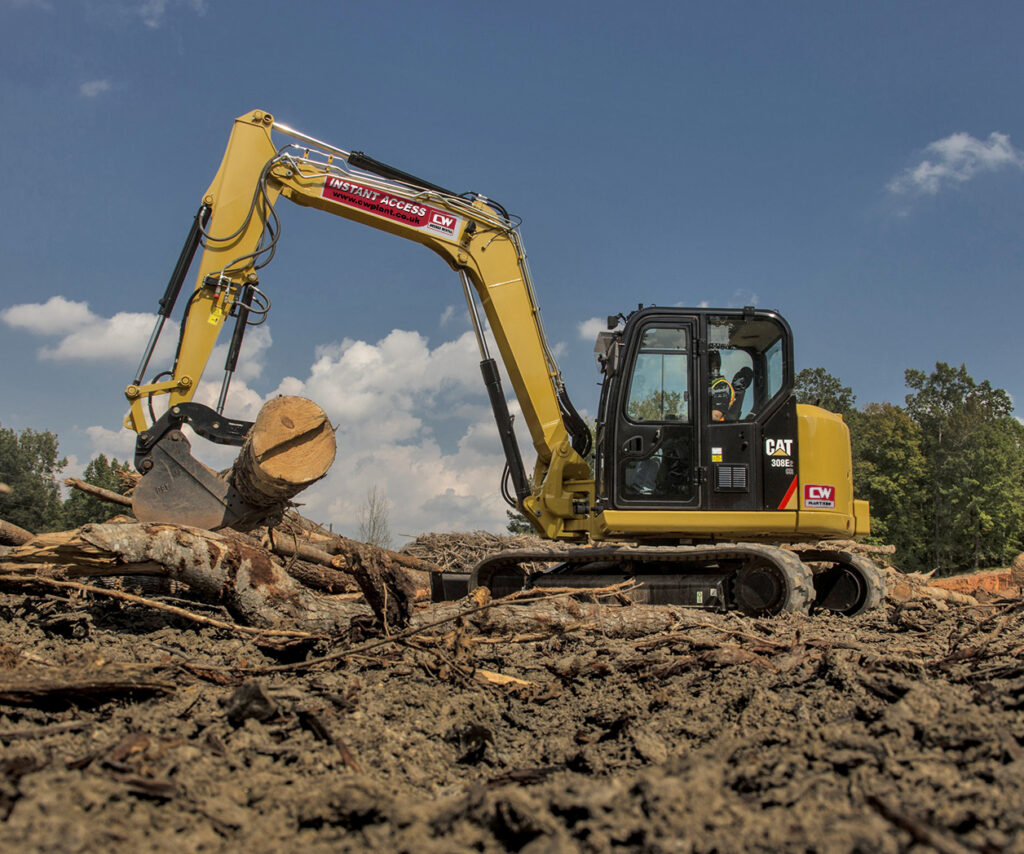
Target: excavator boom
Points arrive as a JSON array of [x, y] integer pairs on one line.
[[237, 228]]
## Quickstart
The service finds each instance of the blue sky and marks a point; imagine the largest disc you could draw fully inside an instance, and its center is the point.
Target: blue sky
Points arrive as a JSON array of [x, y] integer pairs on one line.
[[853, 165]]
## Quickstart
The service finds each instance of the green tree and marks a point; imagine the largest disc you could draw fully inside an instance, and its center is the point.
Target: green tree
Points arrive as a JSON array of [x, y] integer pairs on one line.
[[30, 467], [657, 406], [974, 465], [517, 523], [889, 472], [818, 387], [81, 509]]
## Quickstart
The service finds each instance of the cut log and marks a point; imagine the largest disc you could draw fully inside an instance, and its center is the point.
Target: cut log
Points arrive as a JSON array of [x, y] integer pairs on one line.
[[221, 568], [996, 581], [12, 535], [226, 569], [290, 447], [903, 588]]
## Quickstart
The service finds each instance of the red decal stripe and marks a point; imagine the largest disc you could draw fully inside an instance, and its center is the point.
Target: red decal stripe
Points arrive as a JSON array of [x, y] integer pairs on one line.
[[789, 494]]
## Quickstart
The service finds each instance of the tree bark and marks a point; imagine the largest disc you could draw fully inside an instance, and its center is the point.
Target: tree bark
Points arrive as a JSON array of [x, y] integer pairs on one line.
[[226, 569], [29, 685], [12, 535], [386, 587], [220, 567], [98, 492], [1017, 570], [312, 567]]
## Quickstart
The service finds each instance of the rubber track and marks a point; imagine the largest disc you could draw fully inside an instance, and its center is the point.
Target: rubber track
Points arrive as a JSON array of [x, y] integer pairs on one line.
[[695, 558], [868, 571]]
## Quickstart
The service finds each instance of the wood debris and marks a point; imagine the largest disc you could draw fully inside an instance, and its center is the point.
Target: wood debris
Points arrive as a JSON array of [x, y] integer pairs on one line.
[[461, 551]]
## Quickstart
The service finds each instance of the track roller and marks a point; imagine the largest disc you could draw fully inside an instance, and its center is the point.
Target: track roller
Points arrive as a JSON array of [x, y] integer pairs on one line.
[[502, 579], [773, 584]]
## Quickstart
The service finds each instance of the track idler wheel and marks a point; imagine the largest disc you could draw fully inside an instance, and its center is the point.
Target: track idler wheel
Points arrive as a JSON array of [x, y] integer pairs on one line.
[[775, 584], [500, 579], [848, 585]]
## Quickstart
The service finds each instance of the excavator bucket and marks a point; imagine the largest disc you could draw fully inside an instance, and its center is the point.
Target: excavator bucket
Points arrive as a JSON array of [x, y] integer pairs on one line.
[[177, 489]]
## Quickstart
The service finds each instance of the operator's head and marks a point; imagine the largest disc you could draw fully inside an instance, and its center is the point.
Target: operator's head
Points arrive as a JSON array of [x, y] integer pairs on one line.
[[715, 362]]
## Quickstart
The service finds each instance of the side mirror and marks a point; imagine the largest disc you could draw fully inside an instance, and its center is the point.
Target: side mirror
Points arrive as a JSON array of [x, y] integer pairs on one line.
[[606, 351]]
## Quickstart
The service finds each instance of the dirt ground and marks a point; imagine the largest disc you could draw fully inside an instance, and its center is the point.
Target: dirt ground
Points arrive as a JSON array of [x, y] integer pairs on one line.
[[900, 730]]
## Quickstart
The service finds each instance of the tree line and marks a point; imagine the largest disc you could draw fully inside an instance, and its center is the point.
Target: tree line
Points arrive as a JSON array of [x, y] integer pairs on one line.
[[944, 472], [31, 465]]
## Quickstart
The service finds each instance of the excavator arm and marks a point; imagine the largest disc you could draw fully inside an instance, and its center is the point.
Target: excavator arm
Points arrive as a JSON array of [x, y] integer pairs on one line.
[[237, 227]]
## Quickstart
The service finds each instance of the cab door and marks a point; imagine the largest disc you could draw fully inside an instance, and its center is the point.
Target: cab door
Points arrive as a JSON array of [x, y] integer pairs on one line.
[[653, 450]]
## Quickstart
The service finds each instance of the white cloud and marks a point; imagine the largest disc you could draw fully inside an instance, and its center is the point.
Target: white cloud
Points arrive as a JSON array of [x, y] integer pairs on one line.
[[93, 88], [589, 328], [399, 376], [387, 399], [153, 12], [955, 160], [243, 402], [113, 443], [121, 337], [743, 297], [446, 315], [56, 316], [85, 336]]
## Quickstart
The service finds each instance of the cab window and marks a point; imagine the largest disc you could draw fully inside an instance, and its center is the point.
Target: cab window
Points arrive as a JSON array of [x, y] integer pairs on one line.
[[658, 387], [744, 365]]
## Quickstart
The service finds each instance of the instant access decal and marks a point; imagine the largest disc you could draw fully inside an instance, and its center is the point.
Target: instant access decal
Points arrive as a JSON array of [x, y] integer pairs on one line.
[[392, 207], [819, 496]]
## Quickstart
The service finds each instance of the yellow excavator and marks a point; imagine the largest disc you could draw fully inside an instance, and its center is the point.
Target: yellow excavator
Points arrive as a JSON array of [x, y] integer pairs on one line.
[[701, 463]]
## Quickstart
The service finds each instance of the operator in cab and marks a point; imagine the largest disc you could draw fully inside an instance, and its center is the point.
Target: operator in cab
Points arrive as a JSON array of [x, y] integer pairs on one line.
[[723, 395]]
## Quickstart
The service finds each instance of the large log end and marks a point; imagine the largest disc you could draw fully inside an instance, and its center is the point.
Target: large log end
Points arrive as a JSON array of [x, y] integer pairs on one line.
[[290, 447]]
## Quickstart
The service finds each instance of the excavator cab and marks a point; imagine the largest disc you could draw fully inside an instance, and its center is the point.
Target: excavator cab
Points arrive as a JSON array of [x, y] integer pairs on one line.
[[688, 395]]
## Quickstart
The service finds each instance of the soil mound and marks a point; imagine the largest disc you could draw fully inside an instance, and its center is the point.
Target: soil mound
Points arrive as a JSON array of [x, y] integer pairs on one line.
[[573, 726]]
